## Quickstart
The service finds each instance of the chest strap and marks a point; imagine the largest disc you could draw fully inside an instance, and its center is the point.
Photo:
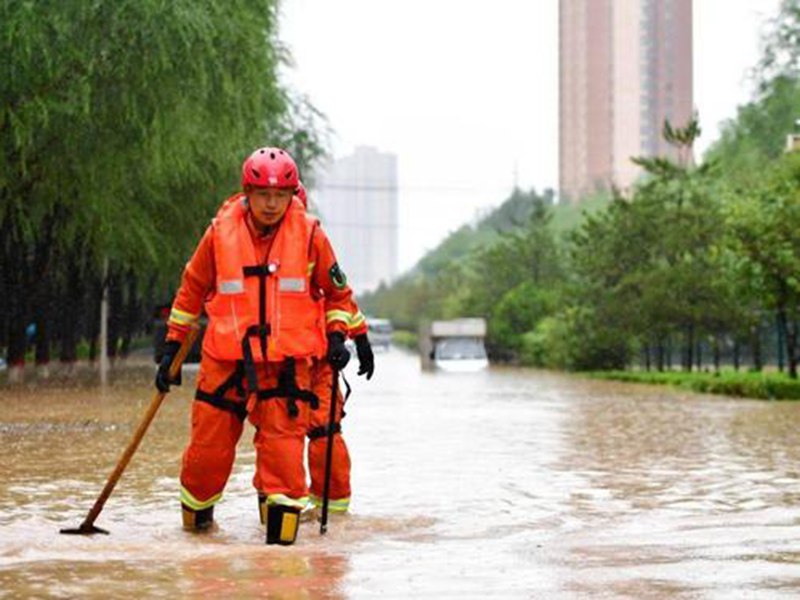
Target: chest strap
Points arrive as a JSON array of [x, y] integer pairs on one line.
[[262, 330]]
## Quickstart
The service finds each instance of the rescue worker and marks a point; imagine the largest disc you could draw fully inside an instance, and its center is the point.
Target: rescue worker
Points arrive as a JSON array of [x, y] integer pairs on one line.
[[322, 382], [253, 272]]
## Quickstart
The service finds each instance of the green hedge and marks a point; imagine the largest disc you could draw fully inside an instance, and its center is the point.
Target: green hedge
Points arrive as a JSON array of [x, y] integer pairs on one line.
[[766, 386]]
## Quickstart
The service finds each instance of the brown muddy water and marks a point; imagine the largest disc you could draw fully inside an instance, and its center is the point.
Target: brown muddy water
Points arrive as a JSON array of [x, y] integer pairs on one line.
[[508, 483]]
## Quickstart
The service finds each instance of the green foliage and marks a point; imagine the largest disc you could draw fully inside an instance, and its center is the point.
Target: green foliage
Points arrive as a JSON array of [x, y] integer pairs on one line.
[[568, 216], [549, 345], [765, 386], [758, 134], [519, 310]]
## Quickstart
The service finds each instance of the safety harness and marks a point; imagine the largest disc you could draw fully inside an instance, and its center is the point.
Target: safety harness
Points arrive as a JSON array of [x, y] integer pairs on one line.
[[217, 397], [246, 369]]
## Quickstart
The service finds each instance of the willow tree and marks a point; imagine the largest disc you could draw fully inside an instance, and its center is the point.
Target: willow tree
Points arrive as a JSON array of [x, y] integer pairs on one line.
[[122, 126]]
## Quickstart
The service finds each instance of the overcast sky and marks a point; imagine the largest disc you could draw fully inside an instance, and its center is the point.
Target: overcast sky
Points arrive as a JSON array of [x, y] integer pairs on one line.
[[466, 92]]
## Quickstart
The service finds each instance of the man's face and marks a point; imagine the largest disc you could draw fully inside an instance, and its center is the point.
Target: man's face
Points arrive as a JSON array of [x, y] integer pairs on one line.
[[267, 205]]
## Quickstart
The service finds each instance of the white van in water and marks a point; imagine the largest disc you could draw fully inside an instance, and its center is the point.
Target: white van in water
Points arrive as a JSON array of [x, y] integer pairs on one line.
[[455, 346], [460, 355]]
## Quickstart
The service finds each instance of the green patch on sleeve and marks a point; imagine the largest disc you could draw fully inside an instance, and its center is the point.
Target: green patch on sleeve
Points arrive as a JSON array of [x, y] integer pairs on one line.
[[338, 278]]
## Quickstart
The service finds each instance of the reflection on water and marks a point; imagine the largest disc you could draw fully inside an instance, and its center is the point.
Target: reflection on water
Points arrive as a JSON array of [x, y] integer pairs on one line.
[[506, 482]]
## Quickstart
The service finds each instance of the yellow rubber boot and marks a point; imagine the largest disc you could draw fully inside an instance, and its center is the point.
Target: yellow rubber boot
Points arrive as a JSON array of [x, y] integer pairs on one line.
[[262, 508], [282, 523], [197, 520]]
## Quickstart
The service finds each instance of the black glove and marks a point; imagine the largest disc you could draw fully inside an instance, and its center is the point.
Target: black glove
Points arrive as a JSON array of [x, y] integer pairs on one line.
[[366, 360], [162, 375], [338, 355]]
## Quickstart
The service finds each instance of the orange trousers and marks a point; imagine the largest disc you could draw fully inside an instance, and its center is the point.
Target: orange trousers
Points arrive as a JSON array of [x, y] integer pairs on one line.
[[279, 438], [322, 381]]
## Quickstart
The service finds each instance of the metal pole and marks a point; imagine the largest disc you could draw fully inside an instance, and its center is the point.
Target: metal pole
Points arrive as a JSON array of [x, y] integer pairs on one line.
[[323, 527]]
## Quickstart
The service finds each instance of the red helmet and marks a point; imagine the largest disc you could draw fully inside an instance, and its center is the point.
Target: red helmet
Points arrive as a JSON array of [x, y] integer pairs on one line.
[[301, 193], [270, 167]]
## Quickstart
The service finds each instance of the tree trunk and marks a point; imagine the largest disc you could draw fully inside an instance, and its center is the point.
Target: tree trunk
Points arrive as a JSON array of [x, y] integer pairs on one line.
[[4, 293], [755, 344], [689, 358], [17, 339], [43, 335], [41, 289], [699, 356], [716, 352], [130, 325], [72, 296], [780, 335], [660, 355], [17, 305], [93, 324], [116, 313], [736, 356], [668, 351], [791, 347], [44, 319]]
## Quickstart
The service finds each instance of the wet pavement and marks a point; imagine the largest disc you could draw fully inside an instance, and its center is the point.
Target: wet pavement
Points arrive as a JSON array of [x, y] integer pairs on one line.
[[507, 483]]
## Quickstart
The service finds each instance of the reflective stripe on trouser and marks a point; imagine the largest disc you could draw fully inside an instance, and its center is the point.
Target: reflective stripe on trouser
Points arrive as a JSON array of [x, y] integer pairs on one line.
[[280, 439], [283, 500], [340, 468], [339, 505], [189, 500], [208, 459]]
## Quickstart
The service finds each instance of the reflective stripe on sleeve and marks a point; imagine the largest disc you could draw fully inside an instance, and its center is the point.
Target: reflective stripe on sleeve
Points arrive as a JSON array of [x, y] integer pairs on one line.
[[338, 315], [180, 317], [356, 320]]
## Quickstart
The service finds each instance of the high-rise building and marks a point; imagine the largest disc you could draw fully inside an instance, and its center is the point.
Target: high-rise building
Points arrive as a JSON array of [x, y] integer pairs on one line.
[[356, 198], [624, 67]]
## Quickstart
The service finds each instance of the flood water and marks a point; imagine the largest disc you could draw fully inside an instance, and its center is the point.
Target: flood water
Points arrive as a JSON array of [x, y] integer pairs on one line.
[[508, 483]]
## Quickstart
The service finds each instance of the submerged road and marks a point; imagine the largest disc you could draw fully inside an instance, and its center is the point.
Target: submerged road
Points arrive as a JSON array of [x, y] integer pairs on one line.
[[508, 483]]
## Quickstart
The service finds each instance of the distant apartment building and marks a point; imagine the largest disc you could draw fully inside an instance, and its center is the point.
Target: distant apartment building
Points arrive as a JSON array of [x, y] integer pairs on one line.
[[356, 197], [624, 67]]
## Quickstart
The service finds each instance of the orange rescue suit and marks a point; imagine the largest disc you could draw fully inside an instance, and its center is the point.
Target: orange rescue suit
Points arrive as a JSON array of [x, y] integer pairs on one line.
[[303, 259], [295, 327]]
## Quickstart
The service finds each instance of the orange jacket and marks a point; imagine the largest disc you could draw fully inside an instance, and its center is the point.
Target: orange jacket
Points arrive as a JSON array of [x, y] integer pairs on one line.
[[245, 286], [199, 281]]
